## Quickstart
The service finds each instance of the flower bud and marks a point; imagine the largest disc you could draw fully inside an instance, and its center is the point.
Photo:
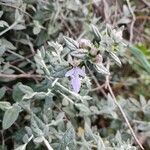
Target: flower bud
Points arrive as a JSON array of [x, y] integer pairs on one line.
[[99, 58], [84, 43], [93, 51]]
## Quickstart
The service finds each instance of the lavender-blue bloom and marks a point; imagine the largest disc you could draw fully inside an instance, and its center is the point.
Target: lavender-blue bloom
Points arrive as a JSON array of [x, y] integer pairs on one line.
[[75, 74]]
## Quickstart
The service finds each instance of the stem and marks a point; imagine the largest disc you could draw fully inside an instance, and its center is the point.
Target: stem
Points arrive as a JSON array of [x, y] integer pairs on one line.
[[47, 143], [124, 116], [14, 67], [146, 3], [15, 7], [9, 28], [16, 76], [133, 20], [20, 56], [99, 87]]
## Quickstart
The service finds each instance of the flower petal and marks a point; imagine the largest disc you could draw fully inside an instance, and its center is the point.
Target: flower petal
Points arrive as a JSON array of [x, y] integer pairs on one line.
[[80, 72], [76, 84], [69, 73]]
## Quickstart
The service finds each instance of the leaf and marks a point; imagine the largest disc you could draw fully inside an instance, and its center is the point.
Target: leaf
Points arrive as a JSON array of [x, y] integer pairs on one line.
[[39, 95], [38, 140], [139, 55], [2, 92], [36, 30], [26, 89], [35, 128], [71, 44], [7, 44], [115, 58], [2, 50], [18, 16], [96, 32], [101, 69], [10, 116], [5, 105], [19, 27], [68, 140], [143, 101], [83, 108], [21, 147], [3, 23], [17, 93], [1, 13], [73, 5], [124, 20], [78, 53]]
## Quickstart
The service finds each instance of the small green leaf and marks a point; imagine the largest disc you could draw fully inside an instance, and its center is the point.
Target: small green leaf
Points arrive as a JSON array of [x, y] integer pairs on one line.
[[26, 89], [96, 32], [101, 69], [1, 13], [17, 93], [19, 27], [36, 30], [7, 44], [10, 116], [2, 92], [5, 105], [3, 24], [115, 58], [71, 44], [83, 108], [68, 140]]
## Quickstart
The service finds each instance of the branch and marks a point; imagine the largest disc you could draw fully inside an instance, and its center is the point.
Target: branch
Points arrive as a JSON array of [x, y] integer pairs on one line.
[[15, 7], [9, 28], [16, 76], [146, 3], [133, 20], [47, 143], [124, 116]]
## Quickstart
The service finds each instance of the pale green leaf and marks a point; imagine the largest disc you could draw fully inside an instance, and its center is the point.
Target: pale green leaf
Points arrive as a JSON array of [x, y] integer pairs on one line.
[[10, 116], [2, 92], [5, 105]]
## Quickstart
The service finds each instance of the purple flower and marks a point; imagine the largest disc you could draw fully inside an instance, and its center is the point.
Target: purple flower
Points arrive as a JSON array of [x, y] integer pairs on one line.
[[75, 74]]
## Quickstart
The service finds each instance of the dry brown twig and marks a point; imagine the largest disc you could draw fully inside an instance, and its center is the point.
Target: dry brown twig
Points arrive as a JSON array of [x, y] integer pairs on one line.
[[133, 20], [120, 108], [15, 7]]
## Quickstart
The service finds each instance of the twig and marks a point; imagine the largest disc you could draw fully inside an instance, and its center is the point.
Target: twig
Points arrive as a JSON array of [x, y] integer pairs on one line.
[[9, 28], [15, 7], [16, 76], [107, 83], [124, 116], [66, 25], [133, 20], [30, 45], [100, 87], [146, 3], [142, 17], [20, 59], [107, 77], [20, 56], [14, 67], [2, 139]]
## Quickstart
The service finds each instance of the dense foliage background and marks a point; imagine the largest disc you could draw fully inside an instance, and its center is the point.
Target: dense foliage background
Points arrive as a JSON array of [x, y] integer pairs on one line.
[[38, 42]]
